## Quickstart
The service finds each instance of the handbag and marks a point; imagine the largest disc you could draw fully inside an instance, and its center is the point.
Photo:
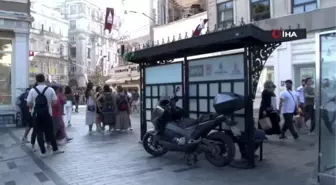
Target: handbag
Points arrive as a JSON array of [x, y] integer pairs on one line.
[[295, 102], [299, 121], [91, 108], [265, 123]]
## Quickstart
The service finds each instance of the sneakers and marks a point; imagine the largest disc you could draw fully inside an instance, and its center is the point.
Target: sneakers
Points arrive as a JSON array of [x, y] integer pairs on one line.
[[43, 155], [282, 137], [69, 124], [69, 139], [130, 129], [33, 148], [58, 151], [24, 140], [311, 134]]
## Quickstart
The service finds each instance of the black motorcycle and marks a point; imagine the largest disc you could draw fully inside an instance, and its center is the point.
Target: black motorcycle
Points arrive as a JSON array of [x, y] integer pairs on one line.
[[174, 132]]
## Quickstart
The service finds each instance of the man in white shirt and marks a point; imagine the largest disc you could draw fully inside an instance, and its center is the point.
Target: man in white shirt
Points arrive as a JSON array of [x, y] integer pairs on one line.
[[300, 93], [42, 113], [288, 106]]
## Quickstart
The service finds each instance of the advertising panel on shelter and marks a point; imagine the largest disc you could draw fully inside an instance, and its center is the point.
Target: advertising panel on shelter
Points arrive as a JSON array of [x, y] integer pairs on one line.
[[170, 73], [230, 67]]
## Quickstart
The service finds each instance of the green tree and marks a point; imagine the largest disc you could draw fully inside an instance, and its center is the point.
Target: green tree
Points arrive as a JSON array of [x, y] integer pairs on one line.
[[98, 78]]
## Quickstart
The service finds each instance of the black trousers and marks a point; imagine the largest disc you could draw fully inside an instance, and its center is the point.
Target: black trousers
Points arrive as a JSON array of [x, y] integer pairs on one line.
[[44, 127], [288, 125], [309, 113]]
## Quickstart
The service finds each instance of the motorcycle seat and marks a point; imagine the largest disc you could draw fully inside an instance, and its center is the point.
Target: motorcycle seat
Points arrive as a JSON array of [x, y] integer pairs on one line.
[[187, 122]]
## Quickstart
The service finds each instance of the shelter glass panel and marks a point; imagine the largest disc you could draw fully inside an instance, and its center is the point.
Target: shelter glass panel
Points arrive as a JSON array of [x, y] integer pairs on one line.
[[327, 104], [192, 90], [202, 90], [225, 87], [214, 90], [170, 73]]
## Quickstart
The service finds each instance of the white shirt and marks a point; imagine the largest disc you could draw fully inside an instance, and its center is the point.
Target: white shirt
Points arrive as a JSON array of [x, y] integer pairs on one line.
[[129, 95], [49, 94], [289, 101], [300, 94]]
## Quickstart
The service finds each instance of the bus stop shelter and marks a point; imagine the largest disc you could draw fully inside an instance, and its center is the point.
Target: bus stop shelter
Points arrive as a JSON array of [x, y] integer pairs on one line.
[[201, 78]]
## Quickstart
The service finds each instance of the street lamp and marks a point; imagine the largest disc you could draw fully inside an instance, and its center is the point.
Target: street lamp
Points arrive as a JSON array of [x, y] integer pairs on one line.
[[128, 11]]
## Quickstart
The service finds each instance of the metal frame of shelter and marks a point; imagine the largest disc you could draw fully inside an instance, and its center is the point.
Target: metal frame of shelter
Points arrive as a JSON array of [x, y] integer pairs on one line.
[[258, 45]]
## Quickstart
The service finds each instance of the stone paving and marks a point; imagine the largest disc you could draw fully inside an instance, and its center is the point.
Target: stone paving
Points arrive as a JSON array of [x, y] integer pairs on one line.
[[118, 159]]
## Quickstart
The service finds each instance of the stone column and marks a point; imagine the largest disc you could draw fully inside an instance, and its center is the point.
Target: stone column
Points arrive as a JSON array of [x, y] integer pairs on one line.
[[20, 63], [81, 60]]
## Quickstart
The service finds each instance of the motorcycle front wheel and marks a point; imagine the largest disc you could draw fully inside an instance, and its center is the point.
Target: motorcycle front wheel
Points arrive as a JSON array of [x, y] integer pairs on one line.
[[224, 150], [155, 149]]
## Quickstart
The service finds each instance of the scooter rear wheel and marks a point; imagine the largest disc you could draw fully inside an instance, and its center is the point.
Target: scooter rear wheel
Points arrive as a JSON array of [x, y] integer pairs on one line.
[[224, 151], [155, 149]]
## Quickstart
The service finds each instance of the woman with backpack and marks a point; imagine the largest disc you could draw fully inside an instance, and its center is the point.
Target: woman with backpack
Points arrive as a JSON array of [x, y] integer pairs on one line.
[[107, 104], [90, 106], [123, 121]]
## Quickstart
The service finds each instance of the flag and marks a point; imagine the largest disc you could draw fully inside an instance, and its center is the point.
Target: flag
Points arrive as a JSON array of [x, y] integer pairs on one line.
[[109, 19], [199, 28]]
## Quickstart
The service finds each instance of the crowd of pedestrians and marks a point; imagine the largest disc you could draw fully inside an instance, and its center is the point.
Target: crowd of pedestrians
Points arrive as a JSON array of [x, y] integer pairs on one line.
[[293, 103], [47, 109]]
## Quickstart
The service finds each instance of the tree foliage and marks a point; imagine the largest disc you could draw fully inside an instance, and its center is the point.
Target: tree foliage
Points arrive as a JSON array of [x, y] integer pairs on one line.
[[98, 78]]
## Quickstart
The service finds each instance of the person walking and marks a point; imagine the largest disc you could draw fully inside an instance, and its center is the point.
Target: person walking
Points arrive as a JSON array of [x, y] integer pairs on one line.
[[40, 98], [268, 108], [122, 116], [309, 101], [26, 115], [288, 106], [90, 114], [69, 98], [76, 101], [57, 110], [135, 97]]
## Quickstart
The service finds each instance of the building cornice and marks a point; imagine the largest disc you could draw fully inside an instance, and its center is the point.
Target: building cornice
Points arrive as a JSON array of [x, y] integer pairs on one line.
[[16, 16]]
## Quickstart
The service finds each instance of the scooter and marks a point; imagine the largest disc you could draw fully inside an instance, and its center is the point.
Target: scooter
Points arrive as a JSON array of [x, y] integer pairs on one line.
[[193, 136]]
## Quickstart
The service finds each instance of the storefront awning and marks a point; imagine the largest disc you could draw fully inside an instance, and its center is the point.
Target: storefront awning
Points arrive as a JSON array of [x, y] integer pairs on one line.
[[120, 80]]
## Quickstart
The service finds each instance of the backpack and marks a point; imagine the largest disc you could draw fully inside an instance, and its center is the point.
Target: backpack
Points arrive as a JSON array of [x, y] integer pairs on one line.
[[41, 107], [123, 103], [108, 104], [108, 109]]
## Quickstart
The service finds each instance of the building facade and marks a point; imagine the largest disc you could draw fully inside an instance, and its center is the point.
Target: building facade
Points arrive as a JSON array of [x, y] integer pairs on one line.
[[89, 43], [15, 20], [48, 45], [137, 29], [167, 11], [292, 60]]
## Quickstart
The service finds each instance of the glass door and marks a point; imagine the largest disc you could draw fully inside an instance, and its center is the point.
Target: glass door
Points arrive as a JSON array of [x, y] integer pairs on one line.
[[327, 105]]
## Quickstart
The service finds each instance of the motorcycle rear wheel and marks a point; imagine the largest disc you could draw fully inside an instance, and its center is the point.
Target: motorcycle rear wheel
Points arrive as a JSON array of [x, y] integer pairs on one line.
[[157, 150], [225, 146]]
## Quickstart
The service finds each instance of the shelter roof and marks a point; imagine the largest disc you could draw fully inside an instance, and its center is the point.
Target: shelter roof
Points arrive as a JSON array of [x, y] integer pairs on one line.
[[228, 39]]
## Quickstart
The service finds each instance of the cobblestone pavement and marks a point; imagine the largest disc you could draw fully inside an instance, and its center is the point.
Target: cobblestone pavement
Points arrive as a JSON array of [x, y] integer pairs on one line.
[[118, 159]]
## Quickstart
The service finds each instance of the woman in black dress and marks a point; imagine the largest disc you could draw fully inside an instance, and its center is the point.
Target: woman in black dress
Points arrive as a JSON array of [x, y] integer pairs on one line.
[[268, 108], [99, 117]]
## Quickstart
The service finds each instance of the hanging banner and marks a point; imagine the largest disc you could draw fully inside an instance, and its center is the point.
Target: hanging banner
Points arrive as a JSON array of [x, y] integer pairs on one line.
[[109, 19]]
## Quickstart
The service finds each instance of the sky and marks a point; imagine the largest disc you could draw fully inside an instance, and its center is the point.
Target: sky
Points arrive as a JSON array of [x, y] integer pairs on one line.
[[131, 22], [102, 3]]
